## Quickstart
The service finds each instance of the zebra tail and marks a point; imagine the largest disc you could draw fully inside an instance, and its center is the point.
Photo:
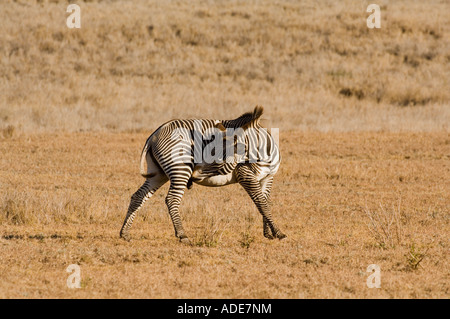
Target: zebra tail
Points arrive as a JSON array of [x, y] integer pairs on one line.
[[143, 158]]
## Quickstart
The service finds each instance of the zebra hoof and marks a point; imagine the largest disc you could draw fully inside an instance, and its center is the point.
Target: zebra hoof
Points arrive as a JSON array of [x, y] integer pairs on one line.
[[185, 241], [281, 236], [125, 236], [269, 236]]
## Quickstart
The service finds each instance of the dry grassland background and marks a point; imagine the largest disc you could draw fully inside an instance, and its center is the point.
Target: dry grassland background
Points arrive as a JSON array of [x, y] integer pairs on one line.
[[363, 117], [314, 65]]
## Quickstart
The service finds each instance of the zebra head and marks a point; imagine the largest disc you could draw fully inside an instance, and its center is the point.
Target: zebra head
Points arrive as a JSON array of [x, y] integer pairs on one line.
[[244, 139], [233, 144]]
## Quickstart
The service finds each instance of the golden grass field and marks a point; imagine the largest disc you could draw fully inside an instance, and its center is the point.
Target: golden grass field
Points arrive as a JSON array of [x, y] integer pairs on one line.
[[64, 198], [364, 136]]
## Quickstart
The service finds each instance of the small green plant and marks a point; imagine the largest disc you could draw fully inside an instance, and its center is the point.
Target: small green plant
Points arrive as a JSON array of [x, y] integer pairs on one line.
[[210, 235], [206, 239], [415, 256], [86, 282], [246, 239]]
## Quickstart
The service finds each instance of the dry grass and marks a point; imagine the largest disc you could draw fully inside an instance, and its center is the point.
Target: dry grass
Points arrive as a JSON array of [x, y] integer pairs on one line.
[[386, 226], [64, 197], [363, 116], [315, 66]]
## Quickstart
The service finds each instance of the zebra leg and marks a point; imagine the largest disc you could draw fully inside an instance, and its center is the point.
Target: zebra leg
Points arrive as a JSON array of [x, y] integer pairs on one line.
[[138, 199], [266, 187], [266, 229], [250, 183], [173, 201]]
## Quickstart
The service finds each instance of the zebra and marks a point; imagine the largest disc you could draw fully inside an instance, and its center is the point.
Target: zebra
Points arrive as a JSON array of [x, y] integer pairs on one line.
[[171, 154]]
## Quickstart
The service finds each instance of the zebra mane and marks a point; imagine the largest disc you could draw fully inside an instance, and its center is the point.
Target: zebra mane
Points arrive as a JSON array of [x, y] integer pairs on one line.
[[245, 119]]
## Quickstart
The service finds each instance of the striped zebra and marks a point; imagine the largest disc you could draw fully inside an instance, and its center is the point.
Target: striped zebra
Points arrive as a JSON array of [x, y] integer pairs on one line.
[[176, 151]]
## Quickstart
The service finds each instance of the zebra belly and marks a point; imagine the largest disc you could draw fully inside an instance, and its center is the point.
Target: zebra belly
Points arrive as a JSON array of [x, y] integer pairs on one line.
[[214, 181]]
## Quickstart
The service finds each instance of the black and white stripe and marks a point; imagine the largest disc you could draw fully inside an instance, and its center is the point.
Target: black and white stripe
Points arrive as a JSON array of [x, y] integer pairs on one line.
[[171, 153]]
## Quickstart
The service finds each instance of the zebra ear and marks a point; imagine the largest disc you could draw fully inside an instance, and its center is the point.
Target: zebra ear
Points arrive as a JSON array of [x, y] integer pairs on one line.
[[220, 126], [256, 116], [257, 112]]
